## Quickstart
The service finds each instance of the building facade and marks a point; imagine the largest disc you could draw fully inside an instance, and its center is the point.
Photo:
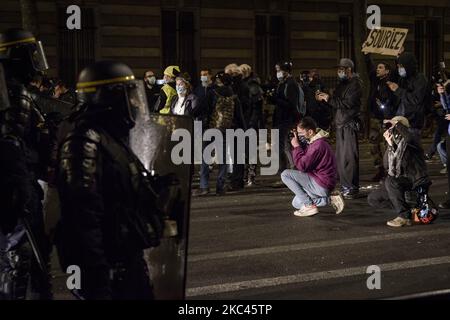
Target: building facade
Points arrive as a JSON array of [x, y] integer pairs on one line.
[[150, 34]]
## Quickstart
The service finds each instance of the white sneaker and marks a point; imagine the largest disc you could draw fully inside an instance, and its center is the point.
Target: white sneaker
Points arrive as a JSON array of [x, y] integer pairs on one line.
[[307, 211], [337, 201]]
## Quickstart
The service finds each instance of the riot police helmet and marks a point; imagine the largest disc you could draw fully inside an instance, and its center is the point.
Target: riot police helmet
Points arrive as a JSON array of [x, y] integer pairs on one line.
[[22, 53], [110, 88]]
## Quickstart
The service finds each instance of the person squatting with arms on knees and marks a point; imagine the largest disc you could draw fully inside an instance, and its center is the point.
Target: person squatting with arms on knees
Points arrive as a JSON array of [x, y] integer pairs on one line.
[[407, 171], [109, 206], [315, 176]]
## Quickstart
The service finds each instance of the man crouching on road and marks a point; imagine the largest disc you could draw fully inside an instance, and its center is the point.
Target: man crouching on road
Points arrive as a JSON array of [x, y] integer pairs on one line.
[[407, 171], [315, 177]]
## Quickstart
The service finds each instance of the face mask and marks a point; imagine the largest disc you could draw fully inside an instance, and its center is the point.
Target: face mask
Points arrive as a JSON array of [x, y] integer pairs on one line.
[[402, 72], [204, 78], [181, 90], [160, 82], [280, 75], [150, 81], [342, 75]]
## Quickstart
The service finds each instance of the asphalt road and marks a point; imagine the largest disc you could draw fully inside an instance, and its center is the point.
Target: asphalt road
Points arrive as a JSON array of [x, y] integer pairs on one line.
[[249, 245]]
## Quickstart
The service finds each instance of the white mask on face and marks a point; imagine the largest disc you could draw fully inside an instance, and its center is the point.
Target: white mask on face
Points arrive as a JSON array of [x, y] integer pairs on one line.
[[204, 78], [280, 75]]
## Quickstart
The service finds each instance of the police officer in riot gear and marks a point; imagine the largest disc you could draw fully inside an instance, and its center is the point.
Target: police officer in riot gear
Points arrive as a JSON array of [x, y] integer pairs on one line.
[[23, 149], [109, 211]]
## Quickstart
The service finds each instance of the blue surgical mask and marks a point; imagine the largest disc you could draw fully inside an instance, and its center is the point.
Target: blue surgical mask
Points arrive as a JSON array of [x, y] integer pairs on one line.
[[181, 90], [342, 75], [402, 72]]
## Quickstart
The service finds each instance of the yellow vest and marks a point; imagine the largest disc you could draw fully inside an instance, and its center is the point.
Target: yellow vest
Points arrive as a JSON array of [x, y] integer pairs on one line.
[[170, 93]]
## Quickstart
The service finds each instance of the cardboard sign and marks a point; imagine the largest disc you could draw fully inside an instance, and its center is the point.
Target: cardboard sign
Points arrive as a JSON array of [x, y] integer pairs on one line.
[[385, 40]]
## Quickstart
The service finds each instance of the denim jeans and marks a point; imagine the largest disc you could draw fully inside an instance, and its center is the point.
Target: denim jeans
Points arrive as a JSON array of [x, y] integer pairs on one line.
[[204, 173], [441, 149], [306, 190]]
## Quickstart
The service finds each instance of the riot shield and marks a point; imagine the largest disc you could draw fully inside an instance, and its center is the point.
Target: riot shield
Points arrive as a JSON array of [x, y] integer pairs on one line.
[[151, 142], [4, 100]]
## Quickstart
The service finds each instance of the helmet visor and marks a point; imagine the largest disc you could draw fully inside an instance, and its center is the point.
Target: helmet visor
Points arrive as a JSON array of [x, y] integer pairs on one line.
[[137, 100], [38, 58]]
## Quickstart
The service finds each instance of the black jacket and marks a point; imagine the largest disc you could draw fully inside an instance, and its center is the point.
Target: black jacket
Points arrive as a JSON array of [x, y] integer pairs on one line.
[[413, 163], [205, 96], [252, 102], [380, 91], [287, 96], [191, 106], [346, 101], [318, 110], [20, 193], [412, 92], [103, 192], [152, 96]]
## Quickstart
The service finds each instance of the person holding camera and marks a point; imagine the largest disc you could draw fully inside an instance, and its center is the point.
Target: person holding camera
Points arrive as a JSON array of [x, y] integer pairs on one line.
[[346, 100], [287, 97], [412, 91], [407, 171], [315, 176], [382, 105], [445, 101], [319, 111]]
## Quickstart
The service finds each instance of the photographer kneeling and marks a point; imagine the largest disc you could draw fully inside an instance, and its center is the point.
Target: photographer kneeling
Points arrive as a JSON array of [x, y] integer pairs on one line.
[[315, 177], [407, 171]]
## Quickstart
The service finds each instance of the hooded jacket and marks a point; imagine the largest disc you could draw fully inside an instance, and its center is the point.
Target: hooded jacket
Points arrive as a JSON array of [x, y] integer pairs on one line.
[[287, 97], [346, 100], [380, 90], [317, 159], [412, 92], [412, 162], [166, 95], [252, 102]]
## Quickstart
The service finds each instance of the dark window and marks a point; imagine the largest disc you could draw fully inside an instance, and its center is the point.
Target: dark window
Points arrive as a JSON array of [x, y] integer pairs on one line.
[[346, 44], [261, 46], [270, 34], [427, 35], [169, 37], [178, 40], [76, 48]]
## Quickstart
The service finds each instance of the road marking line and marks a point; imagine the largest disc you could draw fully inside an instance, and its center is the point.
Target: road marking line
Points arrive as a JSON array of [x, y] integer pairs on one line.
[[314, 245], [307, 277]]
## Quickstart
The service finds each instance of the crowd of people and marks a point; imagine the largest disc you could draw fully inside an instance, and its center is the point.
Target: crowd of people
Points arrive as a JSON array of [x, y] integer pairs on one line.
[[78, 143], [400, 98]]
